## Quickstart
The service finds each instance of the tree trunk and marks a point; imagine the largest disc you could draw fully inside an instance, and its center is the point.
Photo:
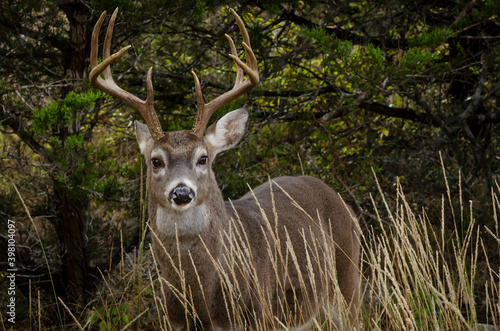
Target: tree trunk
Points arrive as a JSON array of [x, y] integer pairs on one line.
[[72, 204], [71, 211], [78, 15]]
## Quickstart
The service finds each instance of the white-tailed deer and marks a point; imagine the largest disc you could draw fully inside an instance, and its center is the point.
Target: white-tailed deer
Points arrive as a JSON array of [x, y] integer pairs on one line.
[[267, 260]]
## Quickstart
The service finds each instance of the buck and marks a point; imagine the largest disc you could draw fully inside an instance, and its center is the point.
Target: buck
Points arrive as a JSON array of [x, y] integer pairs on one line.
[[284, 229]]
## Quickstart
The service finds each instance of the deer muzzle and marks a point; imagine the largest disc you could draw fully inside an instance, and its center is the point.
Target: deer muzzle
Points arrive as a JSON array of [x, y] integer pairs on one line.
[[182, 195]]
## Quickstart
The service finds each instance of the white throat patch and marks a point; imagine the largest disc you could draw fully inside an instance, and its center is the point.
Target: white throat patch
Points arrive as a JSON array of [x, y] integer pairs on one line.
[[191, 221]]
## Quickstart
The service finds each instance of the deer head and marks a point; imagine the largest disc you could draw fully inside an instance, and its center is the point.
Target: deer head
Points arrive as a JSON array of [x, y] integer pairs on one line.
[[179, 163]]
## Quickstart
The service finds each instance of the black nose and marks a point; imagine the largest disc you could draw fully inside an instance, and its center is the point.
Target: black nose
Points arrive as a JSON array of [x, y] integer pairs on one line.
[[182, 195]]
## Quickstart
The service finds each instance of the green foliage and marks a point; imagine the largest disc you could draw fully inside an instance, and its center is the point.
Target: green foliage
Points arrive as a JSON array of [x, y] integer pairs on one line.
[[58, 114], [199, 10], [322, 38], [88, 166], [5, 87], [75, 141], [368, 63], [110, 318], [431, 38], [418, 61]]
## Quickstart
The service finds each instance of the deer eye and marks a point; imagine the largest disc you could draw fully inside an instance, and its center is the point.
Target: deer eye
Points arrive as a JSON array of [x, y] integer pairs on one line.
[[156, 163], [203, 160]]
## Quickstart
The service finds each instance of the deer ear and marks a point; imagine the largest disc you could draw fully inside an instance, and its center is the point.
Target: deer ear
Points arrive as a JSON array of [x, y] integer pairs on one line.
[[226, 132], [144, 138]]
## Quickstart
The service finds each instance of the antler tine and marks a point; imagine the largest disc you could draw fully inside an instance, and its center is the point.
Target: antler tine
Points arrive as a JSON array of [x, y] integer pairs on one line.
[[239, 71], [106, 48], [108, 85], [205, 111]]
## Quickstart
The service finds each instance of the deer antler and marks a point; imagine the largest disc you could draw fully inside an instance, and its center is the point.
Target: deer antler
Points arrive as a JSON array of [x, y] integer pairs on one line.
[[205, 111], [108, 85]]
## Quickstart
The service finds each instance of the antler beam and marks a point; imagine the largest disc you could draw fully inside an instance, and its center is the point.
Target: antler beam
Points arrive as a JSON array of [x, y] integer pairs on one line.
[[108, 85], [205, 111]]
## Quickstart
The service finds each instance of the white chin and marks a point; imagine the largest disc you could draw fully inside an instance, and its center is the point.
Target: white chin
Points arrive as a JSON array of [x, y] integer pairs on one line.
[[181, 208]]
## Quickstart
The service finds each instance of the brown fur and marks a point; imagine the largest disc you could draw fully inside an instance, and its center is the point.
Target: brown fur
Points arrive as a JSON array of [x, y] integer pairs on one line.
[[194, 250]]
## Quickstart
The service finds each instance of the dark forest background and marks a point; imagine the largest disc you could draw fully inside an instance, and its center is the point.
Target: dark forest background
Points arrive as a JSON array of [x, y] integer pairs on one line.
[[351, 91]]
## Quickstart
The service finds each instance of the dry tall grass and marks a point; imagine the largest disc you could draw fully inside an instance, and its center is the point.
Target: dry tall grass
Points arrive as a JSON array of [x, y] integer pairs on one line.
[[417, 276], [422, 278]]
